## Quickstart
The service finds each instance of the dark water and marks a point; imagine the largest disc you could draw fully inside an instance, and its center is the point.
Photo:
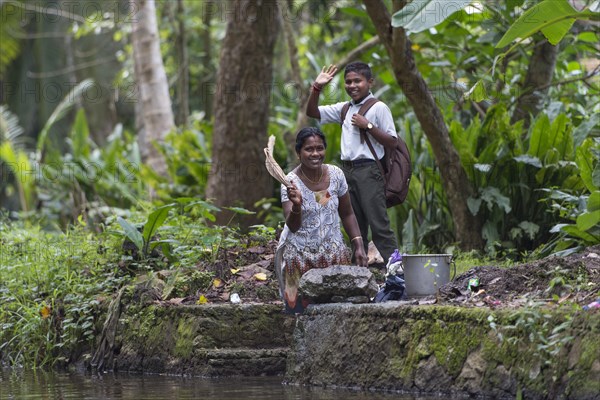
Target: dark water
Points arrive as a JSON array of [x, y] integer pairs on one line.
[[19, 385]]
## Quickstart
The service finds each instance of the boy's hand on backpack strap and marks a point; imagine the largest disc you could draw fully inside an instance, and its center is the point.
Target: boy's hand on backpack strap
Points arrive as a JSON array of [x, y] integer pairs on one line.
[[326, 75], [359, 121]]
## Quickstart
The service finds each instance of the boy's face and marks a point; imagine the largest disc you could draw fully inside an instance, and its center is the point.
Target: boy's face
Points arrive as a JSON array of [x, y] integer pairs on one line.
[[357, 86]]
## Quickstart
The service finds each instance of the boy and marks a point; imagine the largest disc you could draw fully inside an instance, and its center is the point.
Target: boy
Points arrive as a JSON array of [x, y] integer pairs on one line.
[[364, 178]]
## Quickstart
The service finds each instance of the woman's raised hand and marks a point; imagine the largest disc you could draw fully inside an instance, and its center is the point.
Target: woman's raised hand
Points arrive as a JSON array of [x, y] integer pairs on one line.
[[294, 195], [326, 75]]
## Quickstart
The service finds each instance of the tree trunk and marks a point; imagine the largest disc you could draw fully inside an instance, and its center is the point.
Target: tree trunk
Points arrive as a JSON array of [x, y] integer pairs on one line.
[[206, 92], [537, 82], [155, 103], [182, 105], [238, 175], [467, 227], [301, 119]]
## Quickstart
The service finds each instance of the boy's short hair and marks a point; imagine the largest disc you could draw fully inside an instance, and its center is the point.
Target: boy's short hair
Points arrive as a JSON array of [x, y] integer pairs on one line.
[[360, 68]]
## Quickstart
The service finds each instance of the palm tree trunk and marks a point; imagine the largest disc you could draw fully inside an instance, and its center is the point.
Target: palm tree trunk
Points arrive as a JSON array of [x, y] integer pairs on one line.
[[155, 103]]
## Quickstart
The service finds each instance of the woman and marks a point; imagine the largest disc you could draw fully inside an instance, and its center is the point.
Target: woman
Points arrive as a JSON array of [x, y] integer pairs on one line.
[[312, 237]]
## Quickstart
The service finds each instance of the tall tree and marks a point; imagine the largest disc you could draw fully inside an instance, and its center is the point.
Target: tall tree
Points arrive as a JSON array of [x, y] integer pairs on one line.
[[467, 227], [155, 103], [537, 82], [241, 110], [206, 93], [176, 12]]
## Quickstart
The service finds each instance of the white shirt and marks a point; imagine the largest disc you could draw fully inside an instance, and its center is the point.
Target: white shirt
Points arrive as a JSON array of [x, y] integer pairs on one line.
[[352, 149]]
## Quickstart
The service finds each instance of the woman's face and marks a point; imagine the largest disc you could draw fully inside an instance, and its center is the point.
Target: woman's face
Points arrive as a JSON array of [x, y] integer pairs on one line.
[[312, 153]]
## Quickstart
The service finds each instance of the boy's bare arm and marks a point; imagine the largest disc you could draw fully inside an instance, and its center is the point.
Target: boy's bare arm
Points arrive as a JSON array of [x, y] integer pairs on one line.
[[312, 106]]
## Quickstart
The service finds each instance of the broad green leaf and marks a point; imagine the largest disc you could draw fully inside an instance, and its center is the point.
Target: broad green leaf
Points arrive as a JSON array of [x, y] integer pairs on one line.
[[574, 231], [530, 228], [586, 128], [540, 140], [420, 15], [80, 134], [490, 232], [593, 203], [492, 195], [61, 110], [132, 233], [529, 160], [596, 175], [589, 37], [239, 210], [553, 17], [584, 160], [511, 4], [588, 220], [155, 221], [477, 93], [17, 161], [561, 137], [356, 12], [474, 205], [409, 234]]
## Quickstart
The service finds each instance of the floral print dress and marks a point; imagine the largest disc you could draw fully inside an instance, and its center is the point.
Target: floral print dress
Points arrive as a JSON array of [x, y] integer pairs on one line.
[[319, 242]]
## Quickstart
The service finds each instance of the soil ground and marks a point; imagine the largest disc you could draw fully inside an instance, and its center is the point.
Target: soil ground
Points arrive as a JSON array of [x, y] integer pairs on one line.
[[249, 271]]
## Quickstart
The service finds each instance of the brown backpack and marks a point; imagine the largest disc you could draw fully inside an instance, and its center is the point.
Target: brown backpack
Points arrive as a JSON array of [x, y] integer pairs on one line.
[[396, 167]]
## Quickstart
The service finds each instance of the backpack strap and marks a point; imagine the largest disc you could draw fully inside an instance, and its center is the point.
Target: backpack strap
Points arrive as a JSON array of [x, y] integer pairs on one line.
[[363, 110], [345, 109], [363, 133]]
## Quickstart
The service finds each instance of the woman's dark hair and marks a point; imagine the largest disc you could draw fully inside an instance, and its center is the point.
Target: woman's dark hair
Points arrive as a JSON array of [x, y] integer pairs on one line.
[[305, 133], [360, 68]]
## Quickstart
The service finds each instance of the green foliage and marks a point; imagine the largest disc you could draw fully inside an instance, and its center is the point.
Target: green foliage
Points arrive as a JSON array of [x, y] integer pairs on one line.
[[533, 325], [9, 32], [187, 153], [52, 283], [14, 157], [59, 112], [553, 18], [50, 287], [526, 182], [421, 15], [511, 174]]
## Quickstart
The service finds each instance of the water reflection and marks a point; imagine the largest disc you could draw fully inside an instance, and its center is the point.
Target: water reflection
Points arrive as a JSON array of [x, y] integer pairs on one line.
[[32, 385]]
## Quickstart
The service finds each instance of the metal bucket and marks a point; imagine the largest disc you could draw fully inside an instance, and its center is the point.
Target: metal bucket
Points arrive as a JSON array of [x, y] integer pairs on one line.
[[424, 274]]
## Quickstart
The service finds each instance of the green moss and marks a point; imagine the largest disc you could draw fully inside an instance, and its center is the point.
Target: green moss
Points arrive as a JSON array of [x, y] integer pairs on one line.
[[184, 339], [452, 343]]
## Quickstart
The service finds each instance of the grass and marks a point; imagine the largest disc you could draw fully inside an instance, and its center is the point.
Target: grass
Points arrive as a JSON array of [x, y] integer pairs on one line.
[[50, 287], [53, 284]]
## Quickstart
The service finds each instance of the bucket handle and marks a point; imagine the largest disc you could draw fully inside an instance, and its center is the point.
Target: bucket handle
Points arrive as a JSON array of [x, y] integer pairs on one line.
[[453, 263]]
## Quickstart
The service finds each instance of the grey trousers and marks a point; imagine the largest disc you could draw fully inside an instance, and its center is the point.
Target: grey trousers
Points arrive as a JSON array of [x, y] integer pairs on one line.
[[367, 194]]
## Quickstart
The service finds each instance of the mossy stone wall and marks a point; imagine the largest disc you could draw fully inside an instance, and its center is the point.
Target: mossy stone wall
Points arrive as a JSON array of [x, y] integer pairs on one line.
[[537, 353], [541, 354], [206, 340]]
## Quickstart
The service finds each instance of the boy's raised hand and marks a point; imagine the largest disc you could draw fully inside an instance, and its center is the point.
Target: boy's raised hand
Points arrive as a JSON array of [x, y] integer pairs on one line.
[[326, 75]]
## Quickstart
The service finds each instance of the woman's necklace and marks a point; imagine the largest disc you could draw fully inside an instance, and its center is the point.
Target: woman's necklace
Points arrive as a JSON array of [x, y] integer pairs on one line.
[[320, 176]]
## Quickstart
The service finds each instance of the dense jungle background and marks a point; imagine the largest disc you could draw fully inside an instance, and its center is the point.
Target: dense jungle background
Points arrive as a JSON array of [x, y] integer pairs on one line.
[[132, 136]]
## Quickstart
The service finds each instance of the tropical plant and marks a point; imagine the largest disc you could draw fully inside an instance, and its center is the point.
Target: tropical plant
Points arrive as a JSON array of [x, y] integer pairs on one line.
[[13, 157]]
